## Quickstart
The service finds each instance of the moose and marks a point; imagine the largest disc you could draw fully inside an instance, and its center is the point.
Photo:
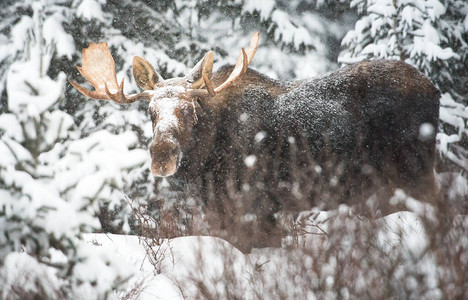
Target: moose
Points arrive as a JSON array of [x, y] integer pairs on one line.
[[241, 139]]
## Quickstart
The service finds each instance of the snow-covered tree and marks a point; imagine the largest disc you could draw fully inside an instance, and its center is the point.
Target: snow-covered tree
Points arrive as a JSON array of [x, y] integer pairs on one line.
[[49, 182], [432, 35]]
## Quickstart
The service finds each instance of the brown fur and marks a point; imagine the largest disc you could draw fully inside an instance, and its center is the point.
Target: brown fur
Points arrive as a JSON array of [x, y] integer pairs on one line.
[[381, 105], [337, 138]]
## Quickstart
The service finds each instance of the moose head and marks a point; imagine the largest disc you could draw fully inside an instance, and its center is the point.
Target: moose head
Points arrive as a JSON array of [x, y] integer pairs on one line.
[[172, 101]]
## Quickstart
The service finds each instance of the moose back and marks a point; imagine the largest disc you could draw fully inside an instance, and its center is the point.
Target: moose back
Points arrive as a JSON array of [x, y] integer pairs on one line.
[[244, 143]]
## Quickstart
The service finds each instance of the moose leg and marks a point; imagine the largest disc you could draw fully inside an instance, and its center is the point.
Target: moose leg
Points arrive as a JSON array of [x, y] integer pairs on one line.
[[410, 166], [268, 233]]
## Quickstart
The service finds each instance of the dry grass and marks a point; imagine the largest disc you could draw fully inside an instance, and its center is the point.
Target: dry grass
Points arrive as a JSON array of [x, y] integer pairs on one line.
[[343, 255]]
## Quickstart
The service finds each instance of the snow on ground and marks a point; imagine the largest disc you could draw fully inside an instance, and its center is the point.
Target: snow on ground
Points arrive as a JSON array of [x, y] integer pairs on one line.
[[195, 257], [186, 265]]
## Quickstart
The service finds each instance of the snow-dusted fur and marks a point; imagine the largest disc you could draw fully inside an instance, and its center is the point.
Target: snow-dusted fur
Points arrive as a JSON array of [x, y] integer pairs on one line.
[[263, 146]]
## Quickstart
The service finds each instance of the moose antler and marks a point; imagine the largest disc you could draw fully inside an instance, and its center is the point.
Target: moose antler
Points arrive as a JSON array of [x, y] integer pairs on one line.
[[99, 69], [239, 69]]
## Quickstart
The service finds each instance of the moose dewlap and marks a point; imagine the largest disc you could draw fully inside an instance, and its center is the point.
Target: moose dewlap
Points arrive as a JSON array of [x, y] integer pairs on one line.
[[367, 127]]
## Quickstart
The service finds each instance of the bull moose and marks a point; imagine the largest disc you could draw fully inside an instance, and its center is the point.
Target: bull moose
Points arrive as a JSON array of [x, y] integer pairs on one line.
[[241, 139]]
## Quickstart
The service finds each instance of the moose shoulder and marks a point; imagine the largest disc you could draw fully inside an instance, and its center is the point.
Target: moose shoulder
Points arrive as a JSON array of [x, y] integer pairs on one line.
[[245, 143]]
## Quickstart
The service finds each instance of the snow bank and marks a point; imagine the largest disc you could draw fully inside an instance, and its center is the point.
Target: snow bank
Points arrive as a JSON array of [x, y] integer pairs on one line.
[[185, 262], [188, 266]]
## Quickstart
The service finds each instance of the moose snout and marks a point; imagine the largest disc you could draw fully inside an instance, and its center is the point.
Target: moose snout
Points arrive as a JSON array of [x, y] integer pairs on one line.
[[165, 158]]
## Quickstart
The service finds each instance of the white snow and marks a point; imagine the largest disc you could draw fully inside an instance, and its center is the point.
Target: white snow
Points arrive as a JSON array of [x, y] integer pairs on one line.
[[259, 137], [455, 114], [250, 161], [20, 32], [15, 150], [384, 8], [12, 128], [187, 261], [264, 7], [288, 32], [22, 270], [24, 81], [90, 9], [426, 131], [184, 261], [457, 183], [427, 41], [164, 102], [55, 34]]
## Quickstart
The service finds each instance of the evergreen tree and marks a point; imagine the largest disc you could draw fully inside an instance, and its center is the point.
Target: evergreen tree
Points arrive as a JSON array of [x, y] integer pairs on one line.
[[47, 198], [432, 35]]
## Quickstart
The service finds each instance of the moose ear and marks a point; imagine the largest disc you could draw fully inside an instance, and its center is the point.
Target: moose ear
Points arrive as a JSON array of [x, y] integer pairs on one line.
[[204, 66], [145, 75]]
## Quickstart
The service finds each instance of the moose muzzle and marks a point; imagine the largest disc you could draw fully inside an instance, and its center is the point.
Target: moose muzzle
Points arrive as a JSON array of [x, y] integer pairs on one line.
[[165, 157]]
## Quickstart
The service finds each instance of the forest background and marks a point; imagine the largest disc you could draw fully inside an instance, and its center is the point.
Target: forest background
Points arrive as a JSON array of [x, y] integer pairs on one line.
[[70, 166]]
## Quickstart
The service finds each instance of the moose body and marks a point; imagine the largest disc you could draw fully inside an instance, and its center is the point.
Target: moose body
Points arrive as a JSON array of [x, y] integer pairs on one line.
[[364, 121], [258, 145]]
